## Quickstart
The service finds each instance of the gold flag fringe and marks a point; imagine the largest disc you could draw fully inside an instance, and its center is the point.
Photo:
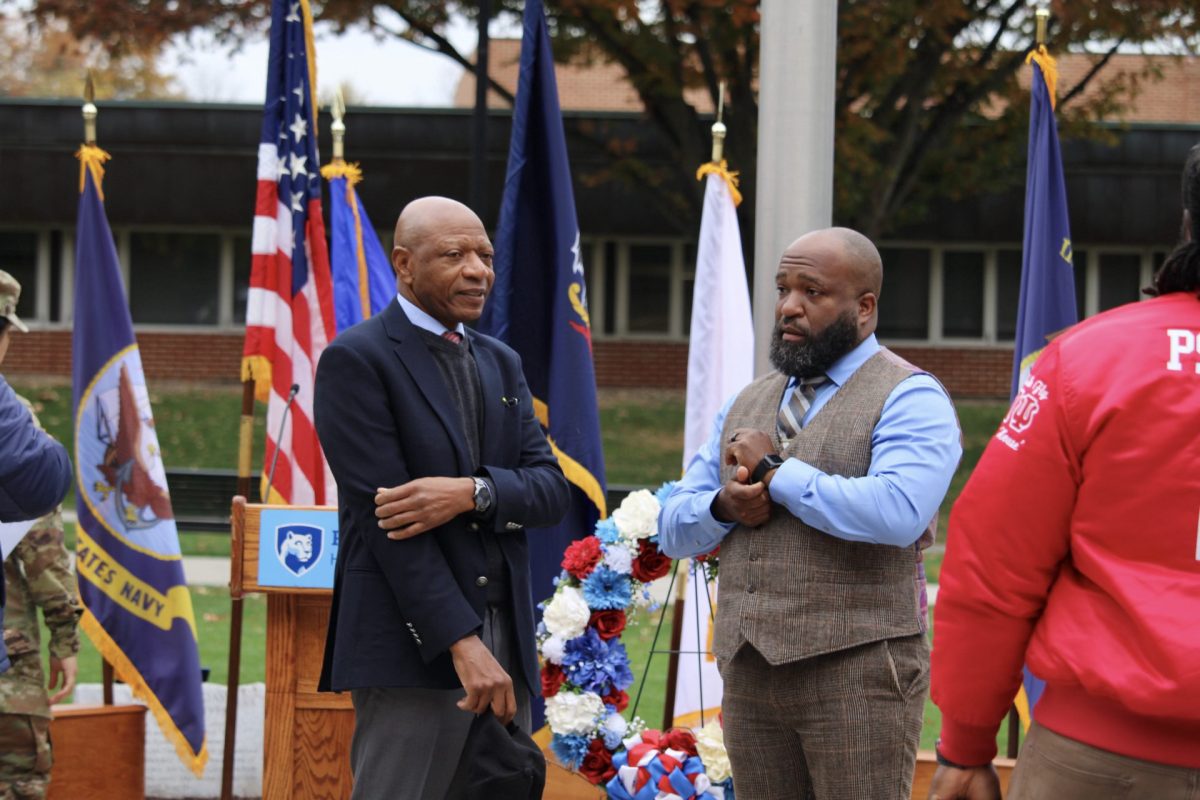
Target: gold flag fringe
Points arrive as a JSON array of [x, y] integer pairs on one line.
[[128, 673], [730, 178], [1049, 70], [92, 158]]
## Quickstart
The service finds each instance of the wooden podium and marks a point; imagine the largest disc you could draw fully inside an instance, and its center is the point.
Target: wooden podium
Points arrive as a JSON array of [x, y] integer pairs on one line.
[[306, 734]]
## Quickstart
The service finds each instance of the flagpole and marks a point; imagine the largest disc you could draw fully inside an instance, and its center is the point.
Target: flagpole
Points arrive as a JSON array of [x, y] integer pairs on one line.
[[797, 71], [90, 112], [236, 594]]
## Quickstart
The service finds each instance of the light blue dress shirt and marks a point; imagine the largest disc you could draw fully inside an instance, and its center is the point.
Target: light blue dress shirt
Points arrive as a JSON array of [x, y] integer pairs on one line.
[[915, 448], [418, 317]]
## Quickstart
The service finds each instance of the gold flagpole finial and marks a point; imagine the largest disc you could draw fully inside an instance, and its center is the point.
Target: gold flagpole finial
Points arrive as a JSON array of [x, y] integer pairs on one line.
[[1043, 16], [89, 111], [338, 128], [718, 128]]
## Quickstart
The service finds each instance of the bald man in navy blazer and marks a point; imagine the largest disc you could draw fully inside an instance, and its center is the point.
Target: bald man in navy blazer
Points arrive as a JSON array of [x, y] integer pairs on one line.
[[430, 432]]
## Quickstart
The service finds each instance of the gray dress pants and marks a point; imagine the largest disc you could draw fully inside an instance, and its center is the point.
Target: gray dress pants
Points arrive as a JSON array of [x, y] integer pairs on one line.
[[407, 741]]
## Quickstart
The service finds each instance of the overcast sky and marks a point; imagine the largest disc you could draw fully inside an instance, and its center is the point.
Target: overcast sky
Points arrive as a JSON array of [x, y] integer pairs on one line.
[[388, 72]]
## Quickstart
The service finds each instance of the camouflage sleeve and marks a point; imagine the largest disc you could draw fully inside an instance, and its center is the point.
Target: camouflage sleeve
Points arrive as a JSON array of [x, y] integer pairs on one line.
[[47, 566]]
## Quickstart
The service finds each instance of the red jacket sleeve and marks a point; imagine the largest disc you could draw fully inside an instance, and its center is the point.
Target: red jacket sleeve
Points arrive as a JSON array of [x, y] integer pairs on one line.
[[1008, 536]]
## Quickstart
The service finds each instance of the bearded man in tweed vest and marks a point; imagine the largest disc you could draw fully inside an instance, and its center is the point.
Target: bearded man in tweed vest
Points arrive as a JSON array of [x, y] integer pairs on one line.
[[821, 484]]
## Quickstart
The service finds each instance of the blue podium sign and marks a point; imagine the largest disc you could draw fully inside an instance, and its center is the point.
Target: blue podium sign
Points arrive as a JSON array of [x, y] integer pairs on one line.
[[297, 547]]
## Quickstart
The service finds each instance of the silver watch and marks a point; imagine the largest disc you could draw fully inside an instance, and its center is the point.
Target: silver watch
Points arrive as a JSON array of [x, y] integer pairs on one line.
[[483, 496]]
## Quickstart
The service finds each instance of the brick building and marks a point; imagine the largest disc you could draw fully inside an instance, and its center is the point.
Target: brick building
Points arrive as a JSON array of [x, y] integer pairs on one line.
[[180, 193]]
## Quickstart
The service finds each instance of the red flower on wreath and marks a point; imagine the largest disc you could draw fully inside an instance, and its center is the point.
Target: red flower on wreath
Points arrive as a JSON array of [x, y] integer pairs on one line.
[[597, 765], [650, 563], [714, 553], [553, 678], [608, 624], [617, 698], [581, 557], [679, 739]]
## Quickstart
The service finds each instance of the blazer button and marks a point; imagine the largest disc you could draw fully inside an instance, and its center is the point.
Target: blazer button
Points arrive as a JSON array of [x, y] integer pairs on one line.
[[481, 581], [474, 526], [754, 556], [750, 589]]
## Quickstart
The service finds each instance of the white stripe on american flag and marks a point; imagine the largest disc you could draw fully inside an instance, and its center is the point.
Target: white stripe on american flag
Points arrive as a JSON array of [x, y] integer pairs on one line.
[[268, 162], [263, 242]]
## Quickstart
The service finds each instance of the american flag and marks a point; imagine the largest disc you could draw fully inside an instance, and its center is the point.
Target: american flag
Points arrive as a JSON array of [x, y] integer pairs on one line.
[[289, 312]]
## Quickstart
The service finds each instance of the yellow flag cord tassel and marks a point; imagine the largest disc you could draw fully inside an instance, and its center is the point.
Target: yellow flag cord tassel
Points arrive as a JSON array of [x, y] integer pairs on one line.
[[730, 178], [128, 673], [1049, 70], [92, 158], [353, 175]]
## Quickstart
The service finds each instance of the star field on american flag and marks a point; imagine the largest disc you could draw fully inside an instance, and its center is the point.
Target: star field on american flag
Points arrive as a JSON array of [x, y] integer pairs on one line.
[[289, 314]]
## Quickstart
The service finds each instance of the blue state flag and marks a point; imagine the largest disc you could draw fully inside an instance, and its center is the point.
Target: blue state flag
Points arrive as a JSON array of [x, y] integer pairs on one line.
[[137, 609], [363, 281], [1047, 303], [538, 304]]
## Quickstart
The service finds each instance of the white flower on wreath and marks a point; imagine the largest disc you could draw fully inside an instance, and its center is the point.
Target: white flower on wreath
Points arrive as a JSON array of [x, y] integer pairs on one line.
[[567, 613], [637, 518], [570, 713], [618, 558], [710, 745], [553, 648]]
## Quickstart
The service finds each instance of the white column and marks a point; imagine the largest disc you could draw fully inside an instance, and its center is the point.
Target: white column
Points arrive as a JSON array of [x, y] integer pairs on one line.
[[797, 66]]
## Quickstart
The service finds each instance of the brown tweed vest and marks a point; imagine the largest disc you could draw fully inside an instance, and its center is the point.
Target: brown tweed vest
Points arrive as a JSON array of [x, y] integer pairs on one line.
[[793, 591]]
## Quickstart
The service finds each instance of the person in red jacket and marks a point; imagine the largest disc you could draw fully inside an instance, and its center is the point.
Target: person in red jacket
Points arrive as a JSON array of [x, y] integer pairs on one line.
[[1075, 548]]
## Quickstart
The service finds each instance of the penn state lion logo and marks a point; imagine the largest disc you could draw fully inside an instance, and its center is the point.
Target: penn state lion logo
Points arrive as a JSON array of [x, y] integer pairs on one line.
[[299, 547]]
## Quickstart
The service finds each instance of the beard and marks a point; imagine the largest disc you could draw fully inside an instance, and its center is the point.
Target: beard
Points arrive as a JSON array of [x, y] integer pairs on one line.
[[816, 354]]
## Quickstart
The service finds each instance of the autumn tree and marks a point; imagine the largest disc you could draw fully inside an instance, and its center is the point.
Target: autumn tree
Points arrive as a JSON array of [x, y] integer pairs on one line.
[[48, 60], [929, 105]]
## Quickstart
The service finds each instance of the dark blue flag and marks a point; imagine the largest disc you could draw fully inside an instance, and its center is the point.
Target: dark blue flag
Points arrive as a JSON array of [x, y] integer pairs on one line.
[[538, 304], [1047, 303], [137, 609], [363, 281]]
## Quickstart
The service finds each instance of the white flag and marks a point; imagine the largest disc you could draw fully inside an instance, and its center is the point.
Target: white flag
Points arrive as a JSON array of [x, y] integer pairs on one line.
[[720, 363], [721, 349]]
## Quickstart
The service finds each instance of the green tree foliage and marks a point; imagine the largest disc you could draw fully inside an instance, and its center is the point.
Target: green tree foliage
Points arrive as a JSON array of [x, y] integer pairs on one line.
[[929, 103]]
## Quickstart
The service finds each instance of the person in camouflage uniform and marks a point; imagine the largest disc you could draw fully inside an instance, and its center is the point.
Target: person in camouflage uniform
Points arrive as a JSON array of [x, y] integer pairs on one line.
[[38, 575]]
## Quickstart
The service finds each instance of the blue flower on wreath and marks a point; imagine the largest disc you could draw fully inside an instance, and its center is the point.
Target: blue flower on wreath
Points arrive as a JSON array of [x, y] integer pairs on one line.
[[569, 749], [663, 491], [606, 531], [595, 665], [605, 590]]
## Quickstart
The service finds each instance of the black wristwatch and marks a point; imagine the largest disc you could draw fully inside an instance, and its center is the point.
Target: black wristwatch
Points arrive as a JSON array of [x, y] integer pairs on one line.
[[483, 496], [769, 462]]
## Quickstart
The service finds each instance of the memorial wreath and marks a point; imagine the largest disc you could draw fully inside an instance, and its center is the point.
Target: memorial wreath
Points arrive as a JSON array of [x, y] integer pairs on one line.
[[585, 669]]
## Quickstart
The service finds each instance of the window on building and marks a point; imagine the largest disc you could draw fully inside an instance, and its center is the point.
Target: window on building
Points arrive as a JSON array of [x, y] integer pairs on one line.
[[1008, 293], [962, 293], [649, 306], [904, 305], [18, 257], [174, 278], [241, 277], [1120, 277], [1079, 266]]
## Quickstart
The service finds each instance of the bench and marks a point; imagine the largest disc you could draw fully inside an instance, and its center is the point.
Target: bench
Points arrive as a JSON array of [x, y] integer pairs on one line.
[[201, 497]]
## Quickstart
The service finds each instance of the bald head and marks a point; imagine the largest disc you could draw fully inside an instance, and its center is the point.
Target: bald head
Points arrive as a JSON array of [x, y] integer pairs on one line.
[[443, 259], [427, 215], [857, 255]]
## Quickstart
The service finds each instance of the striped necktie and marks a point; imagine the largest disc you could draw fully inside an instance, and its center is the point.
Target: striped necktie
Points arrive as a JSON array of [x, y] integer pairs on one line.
[[452, 336], [791, 415]]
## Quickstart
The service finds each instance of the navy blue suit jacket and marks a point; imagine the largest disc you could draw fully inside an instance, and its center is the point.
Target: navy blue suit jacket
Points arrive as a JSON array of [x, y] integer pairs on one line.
[[385, 417]]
